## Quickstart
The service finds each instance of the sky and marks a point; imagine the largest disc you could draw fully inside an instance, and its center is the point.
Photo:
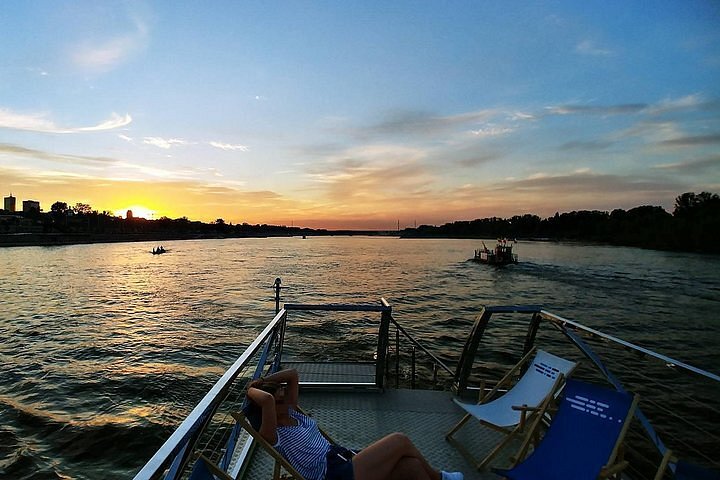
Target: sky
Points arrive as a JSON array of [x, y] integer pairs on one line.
[[363, 115]]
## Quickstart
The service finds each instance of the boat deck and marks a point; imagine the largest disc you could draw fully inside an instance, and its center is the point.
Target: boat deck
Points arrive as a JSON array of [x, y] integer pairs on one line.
[[356, 418]]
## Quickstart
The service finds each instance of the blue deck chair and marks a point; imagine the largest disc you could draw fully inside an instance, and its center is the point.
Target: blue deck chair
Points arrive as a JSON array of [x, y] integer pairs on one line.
[[507, 413], [689, 471], [582, 440]]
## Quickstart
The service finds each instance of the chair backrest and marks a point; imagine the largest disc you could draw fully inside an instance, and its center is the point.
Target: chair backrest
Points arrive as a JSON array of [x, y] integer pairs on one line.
[[537, 382], [265, 445], [583, 435]]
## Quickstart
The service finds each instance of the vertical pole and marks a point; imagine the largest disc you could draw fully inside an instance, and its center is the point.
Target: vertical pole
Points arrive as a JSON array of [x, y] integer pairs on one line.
[[532, 332], [412, 373], [397, 358], [467, 357], [277, 287], [382, 345]]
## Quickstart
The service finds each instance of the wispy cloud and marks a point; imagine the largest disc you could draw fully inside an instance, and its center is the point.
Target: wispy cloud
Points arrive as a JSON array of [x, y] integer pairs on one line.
[[624, 109], [164, 143], [39, 122], [106, 54], [694, 166], [688, 102], [424, 123], [586, 145], [229, 146], [693, 140], [694, 102], [588, 47], [491, 131], [366, 176], [18, 151]]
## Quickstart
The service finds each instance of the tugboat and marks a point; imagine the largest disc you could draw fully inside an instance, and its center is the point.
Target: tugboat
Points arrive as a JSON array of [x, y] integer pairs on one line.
[[501, 255]]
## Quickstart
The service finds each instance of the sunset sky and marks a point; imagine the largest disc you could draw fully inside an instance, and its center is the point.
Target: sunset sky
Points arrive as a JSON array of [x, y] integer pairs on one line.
[[359, 114]]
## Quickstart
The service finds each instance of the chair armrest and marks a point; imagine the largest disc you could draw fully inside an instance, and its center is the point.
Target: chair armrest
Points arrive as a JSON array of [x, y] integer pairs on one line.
[[525, 408], [607, 472]]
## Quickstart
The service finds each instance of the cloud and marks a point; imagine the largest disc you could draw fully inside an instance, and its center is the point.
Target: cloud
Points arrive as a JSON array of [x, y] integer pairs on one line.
[[478, 159], [688, 102], [695, 166], [38, 122], [587, 145], [115, 121], [491, 131], [693, 140], [102, 55], [623, 109], [18, 151], [588, 47], [693, 102], [423, 123], [228, 146], [585, 182], [368, 176], [164, 143], [544, 194]]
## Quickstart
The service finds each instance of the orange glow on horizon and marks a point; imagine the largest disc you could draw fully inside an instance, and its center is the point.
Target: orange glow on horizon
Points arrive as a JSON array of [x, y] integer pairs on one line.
[[138, 211]]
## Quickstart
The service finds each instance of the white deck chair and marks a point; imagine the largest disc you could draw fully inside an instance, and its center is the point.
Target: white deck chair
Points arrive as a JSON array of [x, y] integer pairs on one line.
[[507, 413]]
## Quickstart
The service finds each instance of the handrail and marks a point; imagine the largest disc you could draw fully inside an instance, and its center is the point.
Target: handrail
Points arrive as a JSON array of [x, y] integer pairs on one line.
[[417, 344], [180, 436], [337, 307], [555, 318]]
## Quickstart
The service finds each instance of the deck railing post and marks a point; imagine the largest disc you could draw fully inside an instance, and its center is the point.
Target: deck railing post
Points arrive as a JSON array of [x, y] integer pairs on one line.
[[397, 358], [531, 334], [277, 288], [382, 348], [412, 371], [467, 358]]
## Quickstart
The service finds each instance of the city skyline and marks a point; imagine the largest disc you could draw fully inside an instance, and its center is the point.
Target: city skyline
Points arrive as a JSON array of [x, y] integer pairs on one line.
[[331, 115]]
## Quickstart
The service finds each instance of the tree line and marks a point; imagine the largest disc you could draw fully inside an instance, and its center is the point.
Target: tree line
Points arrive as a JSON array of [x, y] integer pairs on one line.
[[694, 225], [83, 219]]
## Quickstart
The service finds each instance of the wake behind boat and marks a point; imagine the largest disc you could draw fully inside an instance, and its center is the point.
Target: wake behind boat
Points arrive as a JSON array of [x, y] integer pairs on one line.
[[398, 384]]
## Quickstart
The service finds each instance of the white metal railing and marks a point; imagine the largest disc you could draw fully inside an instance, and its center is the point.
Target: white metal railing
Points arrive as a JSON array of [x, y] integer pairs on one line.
[[194, 422]]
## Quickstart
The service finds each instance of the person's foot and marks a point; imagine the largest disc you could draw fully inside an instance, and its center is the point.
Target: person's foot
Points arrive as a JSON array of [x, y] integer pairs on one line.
[[451, 475]]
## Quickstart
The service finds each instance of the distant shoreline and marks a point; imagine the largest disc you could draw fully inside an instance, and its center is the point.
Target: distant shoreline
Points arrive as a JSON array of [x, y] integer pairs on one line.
[[61, 239]]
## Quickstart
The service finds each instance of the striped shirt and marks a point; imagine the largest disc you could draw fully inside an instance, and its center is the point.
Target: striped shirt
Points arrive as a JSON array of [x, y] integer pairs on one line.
[[303, 446]]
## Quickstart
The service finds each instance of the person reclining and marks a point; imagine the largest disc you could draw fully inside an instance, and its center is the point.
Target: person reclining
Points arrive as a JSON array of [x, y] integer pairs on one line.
[[297, 438]]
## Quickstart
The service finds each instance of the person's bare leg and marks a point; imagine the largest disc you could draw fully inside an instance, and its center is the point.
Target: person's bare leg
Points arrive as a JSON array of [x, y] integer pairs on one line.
[[377, 461], [409, 469]]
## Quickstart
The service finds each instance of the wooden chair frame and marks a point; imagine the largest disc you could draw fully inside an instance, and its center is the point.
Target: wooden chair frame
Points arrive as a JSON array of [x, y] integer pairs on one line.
[[527, 414]]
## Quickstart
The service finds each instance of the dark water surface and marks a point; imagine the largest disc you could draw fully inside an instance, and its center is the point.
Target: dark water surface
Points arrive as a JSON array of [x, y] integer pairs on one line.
[[105, 348]]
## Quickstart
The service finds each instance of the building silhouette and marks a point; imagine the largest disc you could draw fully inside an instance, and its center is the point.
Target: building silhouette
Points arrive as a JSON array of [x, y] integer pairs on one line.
[[9, 203], [30, 205]]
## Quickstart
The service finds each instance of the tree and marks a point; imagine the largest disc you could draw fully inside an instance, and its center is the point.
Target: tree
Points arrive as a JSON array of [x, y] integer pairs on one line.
[[59, 207], [82, 209], [689, 203]]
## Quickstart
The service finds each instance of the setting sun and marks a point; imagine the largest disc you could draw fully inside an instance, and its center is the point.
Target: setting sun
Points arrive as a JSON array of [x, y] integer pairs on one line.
[[137, 212]]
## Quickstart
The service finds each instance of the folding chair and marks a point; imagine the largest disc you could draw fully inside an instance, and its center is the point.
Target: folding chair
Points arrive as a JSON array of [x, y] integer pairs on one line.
[[583, 438], [508, 413], [280, 462]]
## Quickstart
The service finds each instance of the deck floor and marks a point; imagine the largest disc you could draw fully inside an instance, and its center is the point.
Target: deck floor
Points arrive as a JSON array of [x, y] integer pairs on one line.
[[356, 418]]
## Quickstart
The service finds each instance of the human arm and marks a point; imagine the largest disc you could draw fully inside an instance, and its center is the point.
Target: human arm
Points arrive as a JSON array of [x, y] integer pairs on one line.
[[266, 402], [291, 380]]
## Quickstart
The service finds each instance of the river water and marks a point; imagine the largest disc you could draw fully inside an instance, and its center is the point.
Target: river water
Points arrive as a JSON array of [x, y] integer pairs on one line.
[[105, 348]]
